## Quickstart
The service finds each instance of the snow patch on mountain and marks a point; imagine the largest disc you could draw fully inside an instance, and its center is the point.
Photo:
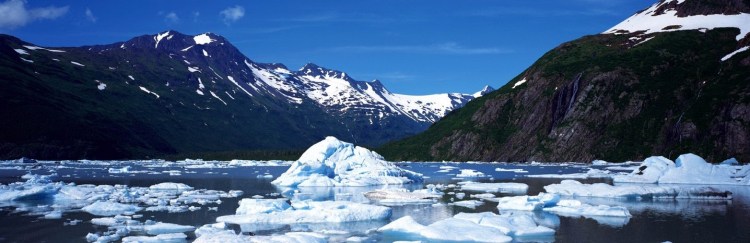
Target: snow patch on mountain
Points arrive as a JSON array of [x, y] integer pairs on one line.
[[653, 21], [203, 39], [730, 55], [144, 89], [159, 37]]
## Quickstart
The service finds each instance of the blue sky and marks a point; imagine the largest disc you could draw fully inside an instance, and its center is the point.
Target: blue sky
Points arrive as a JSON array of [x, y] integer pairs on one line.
[[413, 46]]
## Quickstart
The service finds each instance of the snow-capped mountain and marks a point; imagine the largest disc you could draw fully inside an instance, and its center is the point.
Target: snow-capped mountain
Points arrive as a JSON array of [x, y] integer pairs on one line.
[[177, 89], [333, 90]]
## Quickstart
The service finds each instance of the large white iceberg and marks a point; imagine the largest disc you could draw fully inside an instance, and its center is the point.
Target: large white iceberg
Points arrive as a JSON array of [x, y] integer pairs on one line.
[[687, 169], [278, 212], [630, 191], [335, 163]]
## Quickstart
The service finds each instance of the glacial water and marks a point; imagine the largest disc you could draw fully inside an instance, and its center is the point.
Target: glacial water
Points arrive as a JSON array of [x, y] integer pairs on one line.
[[652, 221]]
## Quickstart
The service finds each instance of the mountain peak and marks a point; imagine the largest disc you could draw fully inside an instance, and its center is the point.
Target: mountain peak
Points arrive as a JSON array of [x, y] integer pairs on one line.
[[486, 90], [676, 15], [312, 69]]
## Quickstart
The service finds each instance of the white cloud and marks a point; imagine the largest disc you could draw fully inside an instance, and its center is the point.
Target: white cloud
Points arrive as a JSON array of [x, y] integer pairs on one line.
[[232, 14], [90, 15], [14, 14], [171, 18], [442, 48]]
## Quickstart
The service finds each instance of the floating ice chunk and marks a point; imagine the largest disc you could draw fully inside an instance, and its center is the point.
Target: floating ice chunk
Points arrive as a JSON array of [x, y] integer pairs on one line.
[[469, 203], [163, 238], [335, 163], [400, 197], [110, 208], [516, 224], [692, 169], [687, 169], [571, 208], [101, 86], [166, 228], [53, 215], [29, 191], [577, 208], [228, 236], [629, 191], [210, 229], [465, 173], [528, 203], [171, 186], [443, 230], [124, 169], [649, 172], [514, 188], [511, 170], [306, 212], [591, 173], [256, 206]]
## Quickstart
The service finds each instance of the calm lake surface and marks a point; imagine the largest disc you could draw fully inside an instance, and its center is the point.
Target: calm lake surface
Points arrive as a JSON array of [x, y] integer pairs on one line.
[[652, 221]]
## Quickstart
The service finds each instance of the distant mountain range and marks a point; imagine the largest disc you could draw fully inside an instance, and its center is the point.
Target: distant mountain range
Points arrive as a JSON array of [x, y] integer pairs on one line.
[[173, 93], [673, 78]]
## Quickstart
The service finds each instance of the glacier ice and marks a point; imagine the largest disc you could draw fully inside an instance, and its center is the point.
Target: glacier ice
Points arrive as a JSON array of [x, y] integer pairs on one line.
[[335, 163]]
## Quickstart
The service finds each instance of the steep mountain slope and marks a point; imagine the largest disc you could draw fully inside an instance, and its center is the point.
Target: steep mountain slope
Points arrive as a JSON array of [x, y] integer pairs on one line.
[[649, 86], [174, 93]]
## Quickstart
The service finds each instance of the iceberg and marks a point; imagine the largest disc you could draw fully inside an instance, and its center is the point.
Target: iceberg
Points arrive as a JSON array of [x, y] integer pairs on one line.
[[687, 169], [509, 187], [406, 228], [469, 173], [578, 189], [228, 236], [101, 208], [515, 224], [276, 212], [401, 197], [590, 174], [166, 228], [171, 186], [610, 215], [469, 203], [162, 238], [335, 163]]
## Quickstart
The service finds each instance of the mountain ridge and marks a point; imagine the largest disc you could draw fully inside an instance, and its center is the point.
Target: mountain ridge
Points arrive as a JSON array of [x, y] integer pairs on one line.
[[173, 93]]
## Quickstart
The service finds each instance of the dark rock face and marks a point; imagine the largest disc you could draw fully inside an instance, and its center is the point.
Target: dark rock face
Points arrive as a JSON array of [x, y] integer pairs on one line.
[[601, 97]]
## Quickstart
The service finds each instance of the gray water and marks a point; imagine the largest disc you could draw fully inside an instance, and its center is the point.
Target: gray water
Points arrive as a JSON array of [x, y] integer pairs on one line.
[[652, 221]]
